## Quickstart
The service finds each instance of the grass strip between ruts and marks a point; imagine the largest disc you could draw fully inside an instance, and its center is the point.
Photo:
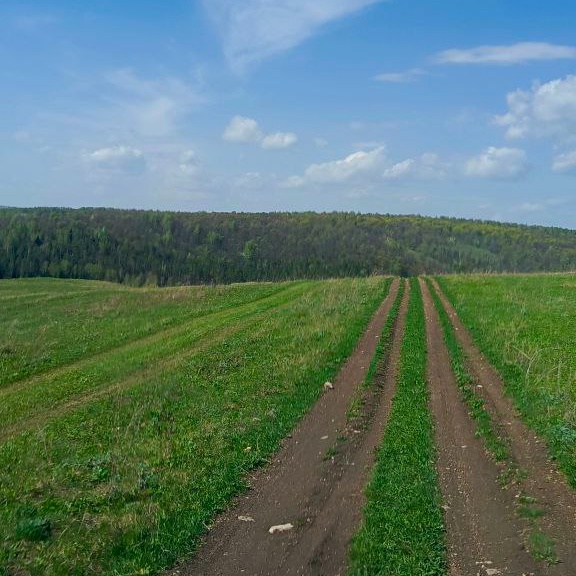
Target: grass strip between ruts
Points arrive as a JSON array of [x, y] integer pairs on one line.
[[403, 532]]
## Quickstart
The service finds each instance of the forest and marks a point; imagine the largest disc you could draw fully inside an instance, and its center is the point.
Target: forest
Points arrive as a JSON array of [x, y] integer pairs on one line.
[[138, 247]]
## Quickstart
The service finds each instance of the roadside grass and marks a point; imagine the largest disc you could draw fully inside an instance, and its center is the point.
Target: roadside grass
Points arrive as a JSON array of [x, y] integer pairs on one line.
[[126, 484], [402, 532], [526, 326], [31, 397]]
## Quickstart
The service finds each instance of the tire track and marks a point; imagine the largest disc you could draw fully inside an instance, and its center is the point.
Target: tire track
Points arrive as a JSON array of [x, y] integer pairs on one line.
[[147, 340], [321, 496], [484, 534], [216, 335], [541, 479]]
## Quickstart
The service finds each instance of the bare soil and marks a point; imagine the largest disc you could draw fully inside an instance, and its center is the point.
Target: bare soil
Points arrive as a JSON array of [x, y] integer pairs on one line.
[[484, 533], [315, 482], [540, 479]]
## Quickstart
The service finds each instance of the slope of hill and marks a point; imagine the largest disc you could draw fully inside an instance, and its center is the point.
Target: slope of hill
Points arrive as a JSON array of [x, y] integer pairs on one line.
[[168, 248]]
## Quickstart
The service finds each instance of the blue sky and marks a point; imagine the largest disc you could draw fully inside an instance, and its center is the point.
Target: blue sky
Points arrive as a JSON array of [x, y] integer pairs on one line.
[[437, 108]]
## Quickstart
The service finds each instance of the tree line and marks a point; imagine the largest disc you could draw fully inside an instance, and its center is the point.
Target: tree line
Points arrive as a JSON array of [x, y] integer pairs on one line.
[[169, 248]]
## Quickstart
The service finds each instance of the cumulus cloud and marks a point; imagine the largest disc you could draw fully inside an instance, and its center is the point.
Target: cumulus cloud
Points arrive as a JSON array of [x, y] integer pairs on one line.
[[547, 110], [279, 140], [247, 131], [255, 30], [243, 130], [426, 167], [498, 164], [359, 165], [367, 168], [506, 55], [565, 163], [117, 159], [400, 77]]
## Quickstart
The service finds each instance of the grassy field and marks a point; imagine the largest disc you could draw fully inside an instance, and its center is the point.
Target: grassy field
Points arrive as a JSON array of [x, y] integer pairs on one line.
[[129, 417], [403, 531], [526, 325]]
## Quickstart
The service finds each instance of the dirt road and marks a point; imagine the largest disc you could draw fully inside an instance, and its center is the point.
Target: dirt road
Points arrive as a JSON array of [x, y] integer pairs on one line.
[[539, 483], [315, 482], [484, 533]]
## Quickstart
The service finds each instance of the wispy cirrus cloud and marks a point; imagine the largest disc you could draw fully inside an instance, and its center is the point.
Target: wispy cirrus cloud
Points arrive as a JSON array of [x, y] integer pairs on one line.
[[401, 77], [152, 107], [519, 53], [254, 30]]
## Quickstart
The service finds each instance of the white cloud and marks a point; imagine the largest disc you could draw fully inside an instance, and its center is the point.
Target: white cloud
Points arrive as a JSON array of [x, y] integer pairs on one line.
[[565, 163], [506, 55], [498, 164], [279, 140], [359, 165], [117, 159], [426, 167], [530, 207], [189, 163], [152, 107], [547, 110], [244, 130], [365, 169], [251, 181], [400, 77], [320, 142], [254, 30]]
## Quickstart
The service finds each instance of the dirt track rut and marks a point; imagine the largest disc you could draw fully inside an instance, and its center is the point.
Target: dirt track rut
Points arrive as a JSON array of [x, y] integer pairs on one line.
[[484, 534], [322, 497], [540, 479]]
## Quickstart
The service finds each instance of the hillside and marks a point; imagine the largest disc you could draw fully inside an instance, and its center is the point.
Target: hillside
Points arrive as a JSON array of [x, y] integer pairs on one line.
[[169, 248]]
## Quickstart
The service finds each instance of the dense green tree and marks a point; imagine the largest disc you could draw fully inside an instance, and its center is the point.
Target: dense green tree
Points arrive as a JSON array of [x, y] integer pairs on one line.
[[167, 248]]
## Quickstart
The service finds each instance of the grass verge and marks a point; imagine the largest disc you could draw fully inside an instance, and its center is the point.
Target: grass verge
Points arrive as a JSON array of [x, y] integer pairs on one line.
[[126, 484], [402, 532]]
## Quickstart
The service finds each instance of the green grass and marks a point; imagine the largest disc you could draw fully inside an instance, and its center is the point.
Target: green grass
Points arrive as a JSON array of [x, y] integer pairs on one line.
[[485, 428], [119, 474], [402, 533], [48, 323], [526, 326]]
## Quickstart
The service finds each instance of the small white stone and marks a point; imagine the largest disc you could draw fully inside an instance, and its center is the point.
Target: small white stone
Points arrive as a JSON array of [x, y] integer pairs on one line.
[[280, 528]]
